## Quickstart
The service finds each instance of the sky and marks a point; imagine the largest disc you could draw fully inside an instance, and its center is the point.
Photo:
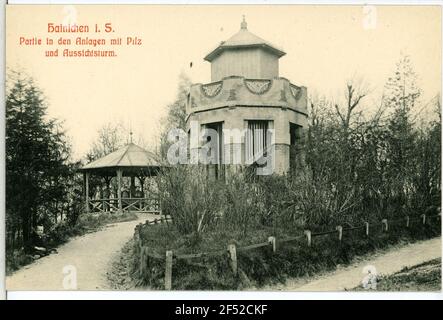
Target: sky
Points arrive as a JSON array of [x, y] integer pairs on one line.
[[325, 45]]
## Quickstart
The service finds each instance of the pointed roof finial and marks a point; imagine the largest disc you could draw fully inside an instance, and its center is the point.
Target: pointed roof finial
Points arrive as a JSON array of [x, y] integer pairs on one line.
[[244, 25]]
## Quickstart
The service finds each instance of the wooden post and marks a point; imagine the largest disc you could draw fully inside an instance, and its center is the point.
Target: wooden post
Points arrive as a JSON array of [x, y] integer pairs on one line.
[[142, 179], [407, 221], [87, 191], [385, 224], [308, 236], [367, 228], [168, 270], [233, 254], [340, 232], [107, 200], [132, 187], [423, 216], [140, 244], [119, 190], [146, 262], [135, 243], [142, 261], [273, 242]]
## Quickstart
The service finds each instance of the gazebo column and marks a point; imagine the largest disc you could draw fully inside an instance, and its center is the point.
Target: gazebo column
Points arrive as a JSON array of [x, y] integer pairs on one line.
[[142, 183], [132, 187], [87, 191], [107, 194], [119, 190]]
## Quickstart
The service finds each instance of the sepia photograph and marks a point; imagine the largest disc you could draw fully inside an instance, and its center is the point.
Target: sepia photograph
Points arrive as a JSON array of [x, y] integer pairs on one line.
[[258, 147]]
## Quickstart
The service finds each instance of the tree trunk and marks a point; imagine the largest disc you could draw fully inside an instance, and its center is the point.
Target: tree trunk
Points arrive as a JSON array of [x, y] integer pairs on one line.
[[26, 232]]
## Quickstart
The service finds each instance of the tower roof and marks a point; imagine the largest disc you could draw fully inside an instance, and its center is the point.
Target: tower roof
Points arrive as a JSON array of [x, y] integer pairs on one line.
[[244, 39]]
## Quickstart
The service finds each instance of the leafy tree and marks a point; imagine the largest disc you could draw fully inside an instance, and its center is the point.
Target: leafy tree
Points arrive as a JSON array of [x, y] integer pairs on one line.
[[401, 96]]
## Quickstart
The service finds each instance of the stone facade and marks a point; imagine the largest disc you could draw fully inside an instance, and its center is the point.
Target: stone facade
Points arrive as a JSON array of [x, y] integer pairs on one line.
[[247, 92]]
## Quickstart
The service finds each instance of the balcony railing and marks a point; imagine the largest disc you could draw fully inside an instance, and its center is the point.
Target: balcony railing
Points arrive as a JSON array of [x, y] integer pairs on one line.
[[238, 91]]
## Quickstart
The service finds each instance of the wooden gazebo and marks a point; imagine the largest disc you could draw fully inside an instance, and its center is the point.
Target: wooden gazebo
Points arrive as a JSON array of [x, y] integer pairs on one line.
[[129, 161]]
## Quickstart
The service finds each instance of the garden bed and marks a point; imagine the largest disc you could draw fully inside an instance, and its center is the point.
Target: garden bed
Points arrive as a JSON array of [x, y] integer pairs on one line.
[[210, 267]]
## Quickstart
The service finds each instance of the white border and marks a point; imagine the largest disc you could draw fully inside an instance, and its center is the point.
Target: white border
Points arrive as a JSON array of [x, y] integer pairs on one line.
[[2, 156], [219, 295], [312, 2], [178, 295]]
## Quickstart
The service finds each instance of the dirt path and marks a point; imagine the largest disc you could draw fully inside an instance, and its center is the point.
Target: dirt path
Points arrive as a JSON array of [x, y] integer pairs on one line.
[[86, 257], [385, 263]]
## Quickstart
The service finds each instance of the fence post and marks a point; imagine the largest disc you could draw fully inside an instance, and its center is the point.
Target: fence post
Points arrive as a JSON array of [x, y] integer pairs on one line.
[[142, 260], [233, 254], [136, 237], [407, 221], [273, 242], [423, 216], [139, 242], [308, 237], [385, 223], [168, 270], [340, 232], [367, 228]]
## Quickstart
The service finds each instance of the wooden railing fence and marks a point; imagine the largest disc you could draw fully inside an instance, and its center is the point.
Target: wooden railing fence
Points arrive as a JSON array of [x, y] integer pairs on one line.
[[231, 250]]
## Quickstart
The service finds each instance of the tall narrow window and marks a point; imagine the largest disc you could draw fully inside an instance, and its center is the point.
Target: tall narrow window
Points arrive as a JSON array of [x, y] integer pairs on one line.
[[257, 140], [217, 150]]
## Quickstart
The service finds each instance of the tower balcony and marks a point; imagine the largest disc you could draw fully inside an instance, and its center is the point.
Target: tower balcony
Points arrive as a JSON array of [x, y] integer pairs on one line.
[[235, 91]]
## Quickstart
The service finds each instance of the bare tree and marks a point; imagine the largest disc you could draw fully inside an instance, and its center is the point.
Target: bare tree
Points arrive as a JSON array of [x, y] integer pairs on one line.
[[110, 138], [355, 92]]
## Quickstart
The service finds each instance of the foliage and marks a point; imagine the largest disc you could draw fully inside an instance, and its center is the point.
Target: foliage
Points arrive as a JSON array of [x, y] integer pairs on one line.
[[38, 171], [63, 231], [260, 267], [189, 197], [357, 167]]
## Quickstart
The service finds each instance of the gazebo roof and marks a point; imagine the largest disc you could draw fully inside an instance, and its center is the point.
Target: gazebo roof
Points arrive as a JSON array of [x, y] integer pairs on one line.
[[129, 156]]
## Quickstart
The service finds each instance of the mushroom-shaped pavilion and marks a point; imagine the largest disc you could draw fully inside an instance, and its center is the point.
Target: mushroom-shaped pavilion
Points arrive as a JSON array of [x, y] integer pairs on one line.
[[129, 161]]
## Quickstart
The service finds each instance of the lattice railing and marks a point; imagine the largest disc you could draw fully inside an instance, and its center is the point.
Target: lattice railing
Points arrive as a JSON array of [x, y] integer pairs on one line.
[[128, 204]]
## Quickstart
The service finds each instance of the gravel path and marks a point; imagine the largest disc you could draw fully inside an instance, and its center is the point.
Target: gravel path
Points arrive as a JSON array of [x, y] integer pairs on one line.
[[389, 262], [89, 257], [85, 258]]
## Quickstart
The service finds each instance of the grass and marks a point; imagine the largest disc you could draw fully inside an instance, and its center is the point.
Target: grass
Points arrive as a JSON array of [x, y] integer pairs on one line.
[[260, 267], [119, 275], [423, 277], [62, 232]]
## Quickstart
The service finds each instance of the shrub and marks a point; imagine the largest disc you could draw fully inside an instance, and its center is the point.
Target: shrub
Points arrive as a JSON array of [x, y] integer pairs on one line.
[[260, 267], [208, 214], [63, 231], [189, 197]]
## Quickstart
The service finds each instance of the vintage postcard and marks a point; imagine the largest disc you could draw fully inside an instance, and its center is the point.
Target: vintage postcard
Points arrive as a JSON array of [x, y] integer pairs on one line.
[[262, 147]]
